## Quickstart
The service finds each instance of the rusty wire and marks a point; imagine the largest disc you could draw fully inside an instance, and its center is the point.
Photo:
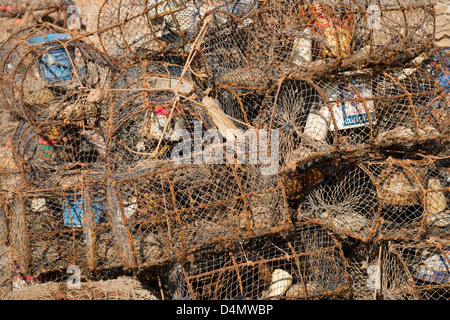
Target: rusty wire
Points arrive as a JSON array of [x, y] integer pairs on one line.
[[427, 264]]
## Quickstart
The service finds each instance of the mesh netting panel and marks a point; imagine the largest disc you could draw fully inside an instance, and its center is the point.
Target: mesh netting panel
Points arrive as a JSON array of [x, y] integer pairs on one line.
[[47, 76], [301, 263], [428, 265], [313, 38], [134, 29]]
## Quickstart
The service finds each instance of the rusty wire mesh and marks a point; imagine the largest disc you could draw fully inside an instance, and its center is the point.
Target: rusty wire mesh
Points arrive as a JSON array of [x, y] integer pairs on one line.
[[121, 159], [413, 196], [313, 37], [140, 220], [145, 119], [133, 29], [50, 75], [427, 263], [305, 262], [388, 199]]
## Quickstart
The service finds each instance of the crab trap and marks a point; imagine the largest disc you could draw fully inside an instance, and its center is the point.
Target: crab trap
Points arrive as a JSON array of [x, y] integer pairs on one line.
[[53, 230], [130, 29], [414, 197], [185, 207], [347, 113], [390, 199], [305, 262], [151, 110], [313, 38], [50, 75]]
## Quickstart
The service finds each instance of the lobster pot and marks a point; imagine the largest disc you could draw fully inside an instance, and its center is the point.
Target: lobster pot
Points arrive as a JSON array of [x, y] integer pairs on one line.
[[147, 121], [299, 263], [49, 77], [4, 219], [314, 39], [413, 111], [344, 200], [133, 29], [241, 107], [414, 197], [376, 273], [50, 155], [52, 231], [438, 65], [165, 208], [427, 263], [353, 112]]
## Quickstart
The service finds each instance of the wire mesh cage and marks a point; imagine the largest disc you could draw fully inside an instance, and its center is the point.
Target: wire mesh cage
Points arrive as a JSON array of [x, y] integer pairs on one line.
[[305, 262], [376, 273], [50, 75], [172, 204], [427, 262], [314, 38], [147, 119], [138, 220], [414, 196], [134, 29], [55, 155], [56, 229], [344, 199]]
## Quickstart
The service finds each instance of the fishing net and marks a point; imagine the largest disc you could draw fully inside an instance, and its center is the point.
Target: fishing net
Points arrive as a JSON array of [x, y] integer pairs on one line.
[[123, 288], [301, 263]]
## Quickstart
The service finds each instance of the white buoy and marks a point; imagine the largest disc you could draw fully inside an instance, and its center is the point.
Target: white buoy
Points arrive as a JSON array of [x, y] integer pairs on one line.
[[317, 124], [281, 281]]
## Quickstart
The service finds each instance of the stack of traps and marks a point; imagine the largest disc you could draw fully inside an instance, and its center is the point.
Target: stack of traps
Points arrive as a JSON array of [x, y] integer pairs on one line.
[[111, 149]]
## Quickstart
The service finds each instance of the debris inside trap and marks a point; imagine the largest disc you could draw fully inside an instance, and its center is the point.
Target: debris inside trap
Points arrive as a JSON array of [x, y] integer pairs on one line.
[[226, 149]]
